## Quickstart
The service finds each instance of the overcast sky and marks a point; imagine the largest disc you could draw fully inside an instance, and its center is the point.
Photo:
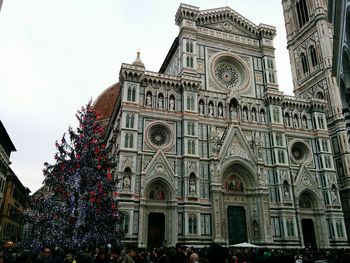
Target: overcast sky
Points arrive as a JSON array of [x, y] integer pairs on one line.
[[57, 54]]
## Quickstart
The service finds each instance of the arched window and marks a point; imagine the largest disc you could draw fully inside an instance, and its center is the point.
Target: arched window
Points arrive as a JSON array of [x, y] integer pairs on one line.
[[192, 224], [191, 149], [129, 122], [302, 12], [190, 102], [304, 63], [313, 56], [129, 98], [319, 95], [129, 140]]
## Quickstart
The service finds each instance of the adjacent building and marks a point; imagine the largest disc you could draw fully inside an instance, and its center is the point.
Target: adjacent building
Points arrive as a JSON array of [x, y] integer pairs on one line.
[[209, 149]]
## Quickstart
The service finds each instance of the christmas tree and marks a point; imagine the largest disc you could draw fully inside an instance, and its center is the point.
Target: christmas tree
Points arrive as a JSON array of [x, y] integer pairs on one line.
[[79, 209]]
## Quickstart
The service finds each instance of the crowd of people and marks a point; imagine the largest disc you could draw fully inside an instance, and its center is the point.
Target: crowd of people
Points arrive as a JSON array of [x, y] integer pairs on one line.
[[214, 253]]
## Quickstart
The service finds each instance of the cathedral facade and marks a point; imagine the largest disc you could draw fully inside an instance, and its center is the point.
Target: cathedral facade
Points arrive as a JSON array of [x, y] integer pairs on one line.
[[209, 150]]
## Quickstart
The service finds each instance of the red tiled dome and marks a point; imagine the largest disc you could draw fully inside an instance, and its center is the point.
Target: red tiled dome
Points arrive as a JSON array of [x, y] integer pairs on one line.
[[104, 104]]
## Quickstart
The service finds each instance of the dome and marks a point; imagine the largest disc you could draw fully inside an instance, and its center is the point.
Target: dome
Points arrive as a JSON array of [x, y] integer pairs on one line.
[[104, 104]]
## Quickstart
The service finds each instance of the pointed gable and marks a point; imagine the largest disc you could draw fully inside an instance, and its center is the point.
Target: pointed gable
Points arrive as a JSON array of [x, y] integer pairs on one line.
[[235, 144], [159, 167], [304, 180]]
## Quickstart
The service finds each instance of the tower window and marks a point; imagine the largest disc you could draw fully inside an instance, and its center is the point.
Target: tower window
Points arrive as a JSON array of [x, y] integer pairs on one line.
[[131, 94], [192, 224], [304, 63], [313, 56], [129, 122], [302, 12]]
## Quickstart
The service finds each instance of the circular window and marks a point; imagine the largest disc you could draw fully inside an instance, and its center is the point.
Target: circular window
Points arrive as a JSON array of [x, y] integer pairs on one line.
[[300, 152], [229, 71], [227, 74], [159, 135]]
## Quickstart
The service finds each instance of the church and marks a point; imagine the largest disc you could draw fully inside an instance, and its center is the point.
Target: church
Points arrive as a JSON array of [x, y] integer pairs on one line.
[[208, 149]]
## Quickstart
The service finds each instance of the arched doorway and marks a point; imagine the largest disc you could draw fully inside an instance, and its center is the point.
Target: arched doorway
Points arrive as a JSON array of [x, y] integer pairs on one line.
[[307, 204], [237, 181]]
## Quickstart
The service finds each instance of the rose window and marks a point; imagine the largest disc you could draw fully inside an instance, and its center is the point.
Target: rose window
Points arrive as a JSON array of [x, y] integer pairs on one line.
[[227, 75], [158, 137], [300, 152]]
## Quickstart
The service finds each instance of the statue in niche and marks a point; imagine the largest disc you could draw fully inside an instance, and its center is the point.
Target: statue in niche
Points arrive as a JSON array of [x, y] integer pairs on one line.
[[233, 184], [220, 111], [126, 183], [286, 191], [211, 110], [296, 124], [192, 184], [254, 116], [160, 102], [262, 117], [149, 100], [304, 123], [172, 104], [245, 114], [201, 108], [157, 193], [334, 195], [233, 113]]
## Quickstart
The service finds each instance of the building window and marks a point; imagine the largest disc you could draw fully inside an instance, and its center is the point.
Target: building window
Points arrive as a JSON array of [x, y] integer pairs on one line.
[[189, 46], [279, 139], [205, 224], [281, 156], [191, 147], [190, 102], [320, 122], [189, 62], [290, 227], [325, 146], [328, 161], [330, 228], [192, 224], [340, 231], [277, 227], [276, 114], [271, 78], [273, 187], [129, 140], [180, 223], [126, 219], [191, 129], [313, 56], [131, 94], [130, 119], [302, 12], [304, 63]]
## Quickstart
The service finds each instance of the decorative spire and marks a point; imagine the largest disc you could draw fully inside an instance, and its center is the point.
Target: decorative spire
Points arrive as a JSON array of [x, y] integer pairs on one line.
[[138, 62]]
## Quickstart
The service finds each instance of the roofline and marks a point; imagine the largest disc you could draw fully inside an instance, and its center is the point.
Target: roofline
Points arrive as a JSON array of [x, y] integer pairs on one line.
[[169, 56], [7, 137]]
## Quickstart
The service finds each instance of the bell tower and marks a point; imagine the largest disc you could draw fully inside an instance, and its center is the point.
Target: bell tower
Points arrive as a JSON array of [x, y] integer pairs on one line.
[[310, 46]]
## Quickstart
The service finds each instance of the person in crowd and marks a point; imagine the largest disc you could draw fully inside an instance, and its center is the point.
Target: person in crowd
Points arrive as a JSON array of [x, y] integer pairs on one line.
[[101, 256], [45, 256], [114, 255], [130, 254], [194, 258], [180, 256]]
